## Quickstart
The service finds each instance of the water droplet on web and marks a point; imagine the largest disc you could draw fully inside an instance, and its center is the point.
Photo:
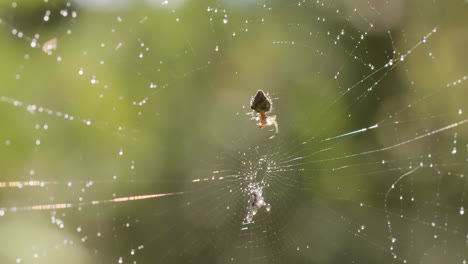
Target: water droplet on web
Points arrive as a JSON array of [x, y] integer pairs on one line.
[[393, 240], [462, 210], [454, 151], [33, 43], [46, 16], [225, 20], [31, 108]]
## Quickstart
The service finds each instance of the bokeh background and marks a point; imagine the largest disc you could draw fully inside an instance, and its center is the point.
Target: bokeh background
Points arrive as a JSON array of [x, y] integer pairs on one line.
[[152, 97]]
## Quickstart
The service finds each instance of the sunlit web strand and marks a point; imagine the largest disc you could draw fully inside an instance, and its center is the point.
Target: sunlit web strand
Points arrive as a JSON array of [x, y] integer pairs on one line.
[[21, 184], [390, 65], [386, 148], [454, 83], [353, 132], [41, 207], [389, 225], [402, 143], [32, 109]]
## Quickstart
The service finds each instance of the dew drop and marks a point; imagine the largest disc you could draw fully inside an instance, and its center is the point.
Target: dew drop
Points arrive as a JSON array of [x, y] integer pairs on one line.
[[454, 151]]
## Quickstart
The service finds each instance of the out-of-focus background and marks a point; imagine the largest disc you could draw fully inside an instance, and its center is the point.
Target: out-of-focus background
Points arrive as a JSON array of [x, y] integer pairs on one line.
[[126, 134]]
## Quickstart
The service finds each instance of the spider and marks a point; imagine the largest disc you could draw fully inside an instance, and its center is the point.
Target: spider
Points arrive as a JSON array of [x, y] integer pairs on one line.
[[261, 104]]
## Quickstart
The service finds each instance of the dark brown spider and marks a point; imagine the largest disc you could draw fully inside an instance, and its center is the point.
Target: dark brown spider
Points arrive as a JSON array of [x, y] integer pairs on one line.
[[261, 104]]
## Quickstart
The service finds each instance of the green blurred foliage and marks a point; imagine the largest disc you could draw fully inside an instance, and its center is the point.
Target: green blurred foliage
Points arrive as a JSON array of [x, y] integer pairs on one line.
[[205, 72]]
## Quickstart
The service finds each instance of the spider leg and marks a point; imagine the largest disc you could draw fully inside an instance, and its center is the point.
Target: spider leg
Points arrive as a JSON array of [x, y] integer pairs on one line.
[[272, 121]]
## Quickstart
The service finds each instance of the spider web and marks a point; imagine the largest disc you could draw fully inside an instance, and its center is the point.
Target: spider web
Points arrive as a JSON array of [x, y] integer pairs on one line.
[[126, 132]]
